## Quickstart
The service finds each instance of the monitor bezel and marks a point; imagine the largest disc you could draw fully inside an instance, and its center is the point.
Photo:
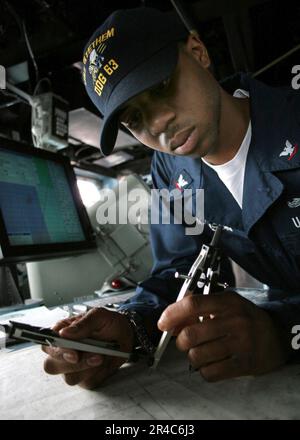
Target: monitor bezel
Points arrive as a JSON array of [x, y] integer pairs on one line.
[[35, 252]]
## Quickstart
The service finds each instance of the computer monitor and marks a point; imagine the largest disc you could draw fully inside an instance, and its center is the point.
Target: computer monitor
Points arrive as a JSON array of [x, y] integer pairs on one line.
[[122, 250], [41, 212]]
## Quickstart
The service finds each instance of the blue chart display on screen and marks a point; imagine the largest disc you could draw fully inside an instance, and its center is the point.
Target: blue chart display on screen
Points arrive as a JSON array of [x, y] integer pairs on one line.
[[36, 201]]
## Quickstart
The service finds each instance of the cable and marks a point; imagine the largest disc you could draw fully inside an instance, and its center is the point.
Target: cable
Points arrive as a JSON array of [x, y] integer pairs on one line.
[[10, 104], [83, 148], [14, 14], [18, 92], [15, 96], [80, 150], [37, 75], [276, 61], [184, 17], [45, 79], [22, 26]]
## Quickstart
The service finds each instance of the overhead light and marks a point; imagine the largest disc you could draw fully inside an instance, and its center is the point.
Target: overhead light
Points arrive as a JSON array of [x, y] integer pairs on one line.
[[86, 126], [18, 73], [114, 159]]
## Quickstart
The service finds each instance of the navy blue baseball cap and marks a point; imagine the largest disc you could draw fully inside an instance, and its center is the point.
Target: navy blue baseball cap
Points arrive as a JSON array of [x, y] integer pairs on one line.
[[132, 51]]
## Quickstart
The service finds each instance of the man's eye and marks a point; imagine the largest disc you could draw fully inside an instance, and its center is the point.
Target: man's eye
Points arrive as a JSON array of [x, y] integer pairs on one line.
[[133, 120]]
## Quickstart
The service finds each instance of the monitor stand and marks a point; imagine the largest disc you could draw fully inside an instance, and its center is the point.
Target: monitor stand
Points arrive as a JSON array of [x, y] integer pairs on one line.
[[10, 297]]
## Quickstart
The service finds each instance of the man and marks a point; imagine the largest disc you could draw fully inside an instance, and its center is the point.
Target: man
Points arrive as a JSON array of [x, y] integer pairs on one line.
[[155, 79]]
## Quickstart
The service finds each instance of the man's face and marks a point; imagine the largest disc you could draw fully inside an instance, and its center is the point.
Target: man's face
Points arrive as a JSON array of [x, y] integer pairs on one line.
[[180, 116]]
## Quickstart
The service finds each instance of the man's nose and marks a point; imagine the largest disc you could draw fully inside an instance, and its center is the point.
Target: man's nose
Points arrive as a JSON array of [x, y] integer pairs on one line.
[[158, 117]]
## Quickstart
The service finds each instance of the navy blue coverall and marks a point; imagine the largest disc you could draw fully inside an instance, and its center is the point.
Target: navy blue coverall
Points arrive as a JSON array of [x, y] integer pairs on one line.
[[265, 236]]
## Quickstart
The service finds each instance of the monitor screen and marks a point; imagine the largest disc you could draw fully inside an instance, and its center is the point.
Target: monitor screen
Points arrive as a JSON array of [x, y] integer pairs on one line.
[[41, 212]]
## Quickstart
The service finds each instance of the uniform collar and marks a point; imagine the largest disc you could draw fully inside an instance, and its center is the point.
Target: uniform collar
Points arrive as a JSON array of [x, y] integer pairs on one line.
[[274, 128], [275, 118]]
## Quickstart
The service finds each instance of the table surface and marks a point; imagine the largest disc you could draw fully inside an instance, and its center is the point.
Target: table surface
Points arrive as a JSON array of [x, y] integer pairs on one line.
[[170, 393]]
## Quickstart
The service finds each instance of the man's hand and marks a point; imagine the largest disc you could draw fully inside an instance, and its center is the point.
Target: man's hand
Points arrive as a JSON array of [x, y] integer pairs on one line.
[[89, 370], [240, 340]]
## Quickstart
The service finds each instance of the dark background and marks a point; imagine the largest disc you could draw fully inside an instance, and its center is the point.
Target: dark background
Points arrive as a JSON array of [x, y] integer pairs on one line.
[[240, 35]]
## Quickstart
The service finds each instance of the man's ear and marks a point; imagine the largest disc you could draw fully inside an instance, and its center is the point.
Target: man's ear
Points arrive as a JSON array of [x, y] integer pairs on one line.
[[198, 50]]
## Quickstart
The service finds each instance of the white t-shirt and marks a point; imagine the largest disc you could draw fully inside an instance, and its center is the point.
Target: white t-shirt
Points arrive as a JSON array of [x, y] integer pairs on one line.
[[232, 173]]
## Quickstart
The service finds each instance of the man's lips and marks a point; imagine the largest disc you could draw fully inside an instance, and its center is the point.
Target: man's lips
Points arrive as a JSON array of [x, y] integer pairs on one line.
[[180, 139], [188, 139]]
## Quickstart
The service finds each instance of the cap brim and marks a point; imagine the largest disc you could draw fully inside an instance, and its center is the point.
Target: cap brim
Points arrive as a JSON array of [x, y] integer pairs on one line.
[[151, 72]]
